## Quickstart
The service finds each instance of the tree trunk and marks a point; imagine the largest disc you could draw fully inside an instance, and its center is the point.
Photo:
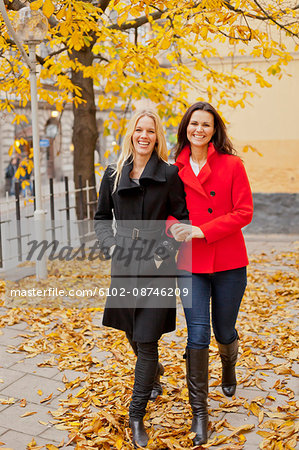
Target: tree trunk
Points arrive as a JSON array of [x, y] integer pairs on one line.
[[85, 135]]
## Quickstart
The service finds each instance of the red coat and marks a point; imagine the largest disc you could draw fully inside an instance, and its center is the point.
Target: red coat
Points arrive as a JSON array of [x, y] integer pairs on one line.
[[219, 201]]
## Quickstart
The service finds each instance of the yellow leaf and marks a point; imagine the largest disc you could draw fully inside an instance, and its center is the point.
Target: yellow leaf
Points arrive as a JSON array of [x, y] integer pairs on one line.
[[23, 402], [261, 416], [264, 434], [294, 354], [36, 5], [22, 171], [25, 183], [5, 401], [122, 18], [20, 118], [61, 13], [28, 413], [242, 428], [48, 8], [46, 398], [79, 394], [283, 369], [165, 43], [32, 444], [61, 427], [119, 443], [267, 52], [204, 32]]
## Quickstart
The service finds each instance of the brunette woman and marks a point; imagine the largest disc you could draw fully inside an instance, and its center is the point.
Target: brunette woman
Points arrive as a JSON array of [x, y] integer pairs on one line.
[[219, 201]]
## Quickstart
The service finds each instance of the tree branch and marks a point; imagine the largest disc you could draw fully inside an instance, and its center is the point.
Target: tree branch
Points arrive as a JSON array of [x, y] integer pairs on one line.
[[57, 52], [266, 16], [103, 4], [234, 37], [101, 58], [280, 25], [39, 58], [136, 23], [15, 5]]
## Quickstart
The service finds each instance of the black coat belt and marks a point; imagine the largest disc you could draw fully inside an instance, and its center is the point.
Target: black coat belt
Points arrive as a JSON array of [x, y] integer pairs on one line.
[[138, 233]]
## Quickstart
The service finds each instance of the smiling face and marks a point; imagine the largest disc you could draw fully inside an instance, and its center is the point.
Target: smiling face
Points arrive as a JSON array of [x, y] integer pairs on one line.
[[144, 137], [200, 129]]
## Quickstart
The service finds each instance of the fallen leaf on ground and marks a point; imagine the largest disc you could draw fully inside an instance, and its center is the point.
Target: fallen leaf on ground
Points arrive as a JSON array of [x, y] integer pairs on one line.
[[94, 410], [23, 403], [29, 413]]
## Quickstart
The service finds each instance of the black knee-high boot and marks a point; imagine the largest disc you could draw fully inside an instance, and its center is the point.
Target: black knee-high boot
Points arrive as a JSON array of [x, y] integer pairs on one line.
[[157, 387], [229, 356], [197, 365], [145, 372]]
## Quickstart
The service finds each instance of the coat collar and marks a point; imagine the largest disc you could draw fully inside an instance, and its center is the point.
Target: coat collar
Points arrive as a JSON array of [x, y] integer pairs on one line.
[[186, 173], [153, 171]]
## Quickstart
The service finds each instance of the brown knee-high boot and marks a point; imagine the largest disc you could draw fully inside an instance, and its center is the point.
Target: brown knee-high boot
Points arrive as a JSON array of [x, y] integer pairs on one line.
[[229, 356], [197, 365]]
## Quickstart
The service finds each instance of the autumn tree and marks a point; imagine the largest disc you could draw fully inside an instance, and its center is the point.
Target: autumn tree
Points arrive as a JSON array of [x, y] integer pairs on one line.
[[133, 49]]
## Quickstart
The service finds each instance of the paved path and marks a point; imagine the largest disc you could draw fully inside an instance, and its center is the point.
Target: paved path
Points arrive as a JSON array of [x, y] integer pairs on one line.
[[21, 378]]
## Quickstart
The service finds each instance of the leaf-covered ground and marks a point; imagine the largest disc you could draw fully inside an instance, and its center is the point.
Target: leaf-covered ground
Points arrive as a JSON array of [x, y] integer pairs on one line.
[[94, 410]]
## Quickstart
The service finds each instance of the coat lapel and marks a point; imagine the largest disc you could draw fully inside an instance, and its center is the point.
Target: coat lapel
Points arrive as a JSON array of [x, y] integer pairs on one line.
[[206, 170], [153, 171], [125, 182], [188, 176]]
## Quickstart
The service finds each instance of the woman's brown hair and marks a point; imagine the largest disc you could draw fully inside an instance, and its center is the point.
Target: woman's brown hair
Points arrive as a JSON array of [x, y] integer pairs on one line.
[[220, 139]]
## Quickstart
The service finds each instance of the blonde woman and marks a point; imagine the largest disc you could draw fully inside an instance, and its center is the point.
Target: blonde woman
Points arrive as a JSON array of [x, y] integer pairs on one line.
[[141, 192]]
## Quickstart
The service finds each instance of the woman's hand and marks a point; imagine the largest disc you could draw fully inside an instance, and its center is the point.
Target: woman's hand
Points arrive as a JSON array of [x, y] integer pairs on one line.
[[184, 232], [178, 232], [195, 232]]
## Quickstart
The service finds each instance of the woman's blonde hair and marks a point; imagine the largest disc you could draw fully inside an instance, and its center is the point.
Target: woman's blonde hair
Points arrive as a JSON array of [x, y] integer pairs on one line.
[[128, 148]]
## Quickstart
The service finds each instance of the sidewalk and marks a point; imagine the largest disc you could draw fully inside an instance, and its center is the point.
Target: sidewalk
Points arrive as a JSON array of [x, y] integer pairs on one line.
[[267, 390]]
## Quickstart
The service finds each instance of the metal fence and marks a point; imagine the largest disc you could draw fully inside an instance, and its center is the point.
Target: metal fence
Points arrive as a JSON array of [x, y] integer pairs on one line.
[[62, 224]]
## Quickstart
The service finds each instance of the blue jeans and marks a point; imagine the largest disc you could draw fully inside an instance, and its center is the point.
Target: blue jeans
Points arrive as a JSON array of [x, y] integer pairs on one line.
[[226, 290]]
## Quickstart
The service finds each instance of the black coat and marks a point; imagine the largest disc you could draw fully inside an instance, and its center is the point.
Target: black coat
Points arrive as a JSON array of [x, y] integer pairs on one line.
[[140, 209]]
